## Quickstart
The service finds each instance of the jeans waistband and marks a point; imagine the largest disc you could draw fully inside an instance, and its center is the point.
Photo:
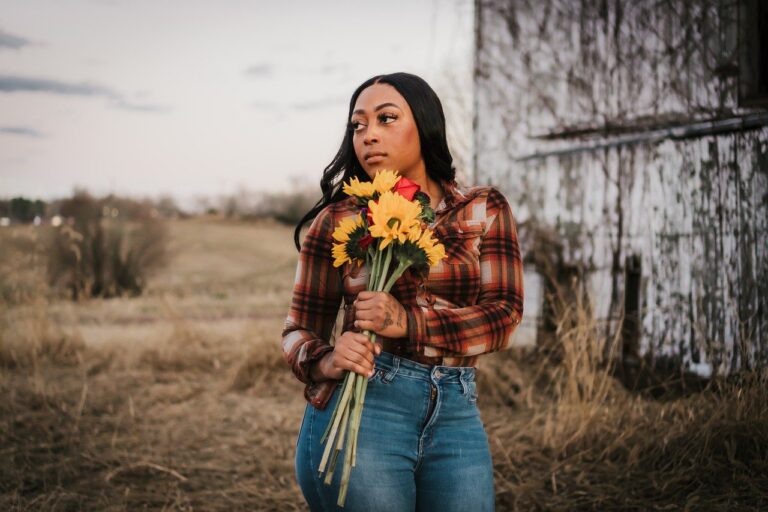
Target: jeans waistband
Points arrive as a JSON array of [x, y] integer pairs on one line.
[[402, 366]]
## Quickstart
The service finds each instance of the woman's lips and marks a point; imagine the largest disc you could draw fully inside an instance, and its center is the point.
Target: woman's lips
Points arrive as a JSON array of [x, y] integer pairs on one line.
[[372, 157]]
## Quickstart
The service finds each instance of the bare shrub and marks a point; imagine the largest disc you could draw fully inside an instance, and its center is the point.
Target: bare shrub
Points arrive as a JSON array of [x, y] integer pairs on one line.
[[288, 207], [100, 252]]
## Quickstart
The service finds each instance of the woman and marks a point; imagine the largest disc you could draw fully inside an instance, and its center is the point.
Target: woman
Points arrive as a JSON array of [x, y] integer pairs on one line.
[[422, 444]]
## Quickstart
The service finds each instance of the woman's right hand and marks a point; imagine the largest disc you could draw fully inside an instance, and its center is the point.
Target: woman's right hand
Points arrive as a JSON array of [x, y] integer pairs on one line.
[[353, 351]]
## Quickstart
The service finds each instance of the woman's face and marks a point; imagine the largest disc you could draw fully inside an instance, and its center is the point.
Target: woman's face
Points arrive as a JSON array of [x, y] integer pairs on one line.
[[385, 133]]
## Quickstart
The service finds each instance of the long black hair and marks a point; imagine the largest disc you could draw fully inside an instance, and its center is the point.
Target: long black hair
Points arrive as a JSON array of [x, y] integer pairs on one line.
[[430, 123]]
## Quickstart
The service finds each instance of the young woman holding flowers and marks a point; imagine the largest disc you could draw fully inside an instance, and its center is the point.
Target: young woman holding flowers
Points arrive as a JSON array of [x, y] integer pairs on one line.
[[421, 443]]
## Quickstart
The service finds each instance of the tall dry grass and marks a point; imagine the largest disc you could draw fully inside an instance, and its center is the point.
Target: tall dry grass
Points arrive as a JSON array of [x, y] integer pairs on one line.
[[22, 266], [183, 402], [582, 441], [191, 421], [143, 403]]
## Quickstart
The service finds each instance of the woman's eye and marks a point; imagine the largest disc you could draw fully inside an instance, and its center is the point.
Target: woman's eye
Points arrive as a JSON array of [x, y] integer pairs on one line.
[[387, 118], [356, 125]]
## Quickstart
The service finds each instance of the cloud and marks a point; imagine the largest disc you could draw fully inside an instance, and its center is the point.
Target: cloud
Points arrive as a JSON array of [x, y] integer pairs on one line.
[[12, 41], [260, 70], [10, 84], [20, 130], [139, 107], [266, 70]]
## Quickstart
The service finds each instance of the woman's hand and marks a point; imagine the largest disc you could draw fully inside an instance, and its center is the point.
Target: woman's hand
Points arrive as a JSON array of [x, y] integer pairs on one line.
[[381, 313], [353, 351]]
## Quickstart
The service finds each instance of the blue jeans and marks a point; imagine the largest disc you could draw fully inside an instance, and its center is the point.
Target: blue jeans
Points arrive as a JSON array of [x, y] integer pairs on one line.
[[414, 452]]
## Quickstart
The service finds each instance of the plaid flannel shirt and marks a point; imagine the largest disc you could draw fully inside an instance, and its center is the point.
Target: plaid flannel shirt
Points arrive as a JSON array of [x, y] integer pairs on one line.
[[467, 305]]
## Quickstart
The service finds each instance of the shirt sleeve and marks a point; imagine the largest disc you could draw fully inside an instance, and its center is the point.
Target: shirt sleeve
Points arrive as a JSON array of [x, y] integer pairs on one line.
[[314, 306], [486, 326]]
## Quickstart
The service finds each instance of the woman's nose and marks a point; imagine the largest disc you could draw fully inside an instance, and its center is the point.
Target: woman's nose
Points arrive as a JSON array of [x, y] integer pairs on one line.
[[371, 136]]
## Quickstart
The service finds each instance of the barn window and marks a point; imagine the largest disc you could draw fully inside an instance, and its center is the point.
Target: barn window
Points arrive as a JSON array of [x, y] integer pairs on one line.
[[630, 329], [753, 53]]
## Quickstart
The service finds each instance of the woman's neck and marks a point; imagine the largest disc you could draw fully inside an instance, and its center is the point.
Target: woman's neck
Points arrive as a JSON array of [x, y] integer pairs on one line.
[[430, 187], [435, 192]]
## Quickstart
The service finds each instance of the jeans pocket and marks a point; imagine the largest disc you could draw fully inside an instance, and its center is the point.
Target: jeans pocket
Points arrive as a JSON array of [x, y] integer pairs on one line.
[[378, 375], [381, 375]]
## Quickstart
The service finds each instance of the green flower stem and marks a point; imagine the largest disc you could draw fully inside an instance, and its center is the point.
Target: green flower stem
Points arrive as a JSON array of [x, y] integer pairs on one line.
[[335, 411], [375, 269], [342, 430], [385, 270], [335, 428], [373, 263], [399, 271], [354, 426], [362, 401], [339, 445]]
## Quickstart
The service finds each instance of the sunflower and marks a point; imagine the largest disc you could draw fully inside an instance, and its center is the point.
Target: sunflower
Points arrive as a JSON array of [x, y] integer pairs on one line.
[[385, 180], [361, 189], [393, 217], [434, 249], [421, 248], [348, 233]]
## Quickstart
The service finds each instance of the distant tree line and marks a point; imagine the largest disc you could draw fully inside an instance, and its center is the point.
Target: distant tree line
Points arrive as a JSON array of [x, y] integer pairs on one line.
[[284, 207], [21, 209], [110, 246]]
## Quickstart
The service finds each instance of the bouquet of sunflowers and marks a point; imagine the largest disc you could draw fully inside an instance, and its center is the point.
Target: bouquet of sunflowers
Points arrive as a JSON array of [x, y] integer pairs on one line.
[[390, 235]]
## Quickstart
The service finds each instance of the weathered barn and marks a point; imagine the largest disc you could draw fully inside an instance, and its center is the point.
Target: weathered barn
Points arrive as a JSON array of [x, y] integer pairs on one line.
[[637, 133]]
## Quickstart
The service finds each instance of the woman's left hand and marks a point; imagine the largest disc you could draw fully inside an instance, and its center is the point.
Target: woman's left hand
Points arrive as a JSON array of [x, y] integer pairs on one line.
[[381, 313]]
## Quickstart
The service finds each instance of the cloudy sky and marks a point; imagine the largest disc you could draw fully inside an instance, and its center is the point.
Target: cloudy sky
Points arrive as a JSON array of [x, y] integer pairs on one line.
[[203, 97]]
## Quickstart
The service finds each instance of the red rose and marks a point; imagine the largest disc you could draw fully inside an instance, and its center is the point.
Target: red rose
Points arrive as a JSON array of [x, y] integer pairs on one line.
[[367, 214], [365, 241], [406, 188]]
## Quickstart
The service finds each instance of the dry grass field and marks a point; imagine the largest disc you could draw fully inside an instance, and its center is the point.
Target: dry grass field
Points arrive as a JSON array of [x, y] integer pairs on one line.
[[180, 400]]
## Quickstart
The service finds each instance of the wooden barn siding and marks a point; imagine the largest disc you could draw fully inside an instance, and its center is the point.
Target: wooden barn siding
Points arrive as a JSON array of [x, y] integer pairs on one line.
[[694, 210]]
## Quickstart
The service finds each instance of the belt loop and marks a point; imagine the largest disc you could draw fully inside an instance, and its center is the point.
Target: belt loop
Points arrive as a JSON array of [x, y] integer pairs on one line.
[[462, 379], [388, 376]]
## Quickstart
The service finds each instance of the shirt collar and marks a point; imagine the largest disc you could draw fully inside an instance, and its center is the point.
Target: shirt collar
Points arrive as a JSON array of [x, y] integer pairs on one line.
[[453, 195]]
